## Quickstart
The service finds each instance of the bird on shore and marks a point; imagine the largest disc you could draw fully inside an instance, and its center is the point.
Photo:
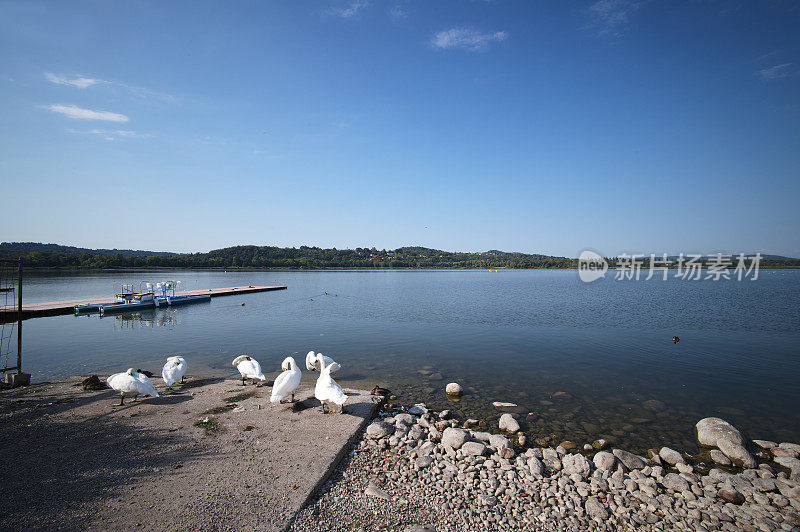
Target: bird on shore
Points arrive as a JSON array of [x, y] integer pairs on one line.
[[287, 382], [377, 390], [174, 370], [148, 374], [249, 368], [328, 390], [133, 383], [312, 364]]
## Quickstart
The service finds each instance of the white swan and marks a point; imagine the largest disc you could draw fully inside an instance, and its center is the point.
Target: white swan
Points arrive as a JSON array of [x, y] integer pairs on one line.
[[132, 383], [287, 382], [327, 389], [312, 363], [174, 370], [249, 368]]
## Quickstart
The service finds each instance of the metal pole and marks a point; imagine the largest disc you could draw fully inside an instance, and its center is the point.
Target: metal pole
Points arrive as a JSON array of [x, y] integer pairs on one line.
[[19, 320]]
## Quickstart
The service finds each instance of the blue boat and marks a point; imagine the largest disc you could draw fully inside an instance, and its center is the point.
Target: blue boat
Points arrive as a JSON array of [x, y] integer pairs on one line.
[[168, 297], [185, 299], [129, 300]]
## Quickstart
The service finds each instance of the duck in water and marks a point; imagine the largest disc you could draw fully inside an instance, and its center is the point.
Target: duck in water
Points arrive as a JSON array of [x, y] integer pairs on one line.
[[675, 339]]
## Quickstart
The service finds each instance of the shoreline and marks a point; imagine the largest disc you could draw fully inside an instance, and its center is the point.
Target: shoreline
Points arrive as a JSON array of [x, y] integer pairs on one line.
[[408, 474], [226, 453]]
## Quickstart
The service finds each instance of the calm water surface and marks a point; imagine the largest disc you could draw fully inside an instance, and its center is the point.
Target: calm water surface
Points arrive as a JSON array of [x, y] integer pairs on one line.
[[519, 336]]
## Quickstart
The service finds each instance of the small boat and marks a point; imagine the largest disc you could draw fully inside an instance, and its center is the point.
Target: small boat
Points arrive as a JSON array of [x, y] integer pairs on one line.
[[185, 299], [124, 296], [168, 297], [128, 300]]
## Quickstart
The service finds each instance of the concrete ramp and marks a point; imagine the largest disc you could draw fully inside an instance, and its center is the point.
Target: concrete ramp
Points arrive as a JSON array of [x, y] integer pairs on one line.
[[213, 455]]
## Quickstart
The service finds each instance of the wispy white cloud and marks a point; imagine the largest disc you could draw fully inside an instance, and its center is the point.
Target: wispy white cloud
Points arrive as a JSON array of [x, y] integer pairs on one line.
[[466, 39], [777, 72], [79, 81], [73, 111], [610, 16], [268, 154], [82, 82], [142, 92], [398, 12], [350, 11], [110, 134]]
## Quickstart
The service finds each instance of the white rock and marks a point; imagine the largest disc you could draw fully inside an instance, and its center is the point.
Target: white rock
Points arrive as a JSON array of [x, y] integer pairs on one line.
[[536, 466], [473, 448], [605, 461], [675, 482], [629, 460], [454, 438], [508, 423], [719, 457], [716, 432], [499, 442], [454, 389], [787, 461], [483, 436], [670, 456], [576, 464], [379, 429], [500, 404], [596, 509]]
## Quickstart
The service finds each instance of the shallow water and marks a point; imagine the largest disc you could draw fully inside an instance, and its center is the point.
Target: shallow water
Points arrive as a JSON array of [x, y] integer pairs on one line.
[[519, 336]]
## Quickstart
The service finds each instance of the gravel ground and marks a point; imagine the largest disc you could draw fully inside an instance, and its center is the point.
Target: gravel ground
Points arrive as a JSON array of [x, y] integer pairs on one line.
[[212, 456], [418, 472], [216, 456]]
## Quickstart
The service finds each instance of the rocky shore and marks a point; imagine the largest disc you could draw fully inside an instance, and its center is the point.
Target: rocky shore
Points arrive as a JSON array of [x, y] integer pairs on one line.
[[415, 469]]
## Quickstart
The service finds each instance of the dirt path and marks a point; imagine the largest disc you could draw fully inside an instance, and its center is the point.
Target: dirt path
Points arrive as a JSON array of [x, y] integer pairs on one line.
[[75, 459]]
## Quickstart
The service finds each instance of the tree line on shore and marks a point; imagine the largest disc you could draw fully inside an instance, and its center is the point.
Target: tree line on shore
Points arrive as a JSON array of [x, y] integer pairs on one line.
[[262, 257], [304, 257]]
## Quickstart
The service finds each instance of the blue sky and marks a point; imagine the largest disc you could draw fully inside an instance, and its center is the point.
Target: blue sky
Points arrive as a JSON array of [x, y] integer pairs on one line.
[[546, 127]]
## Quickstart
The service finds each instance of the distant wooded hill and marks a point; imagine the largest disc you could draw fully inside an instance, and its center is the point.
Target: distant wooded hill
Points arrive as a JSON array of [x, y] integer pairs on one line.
[[304, 257]]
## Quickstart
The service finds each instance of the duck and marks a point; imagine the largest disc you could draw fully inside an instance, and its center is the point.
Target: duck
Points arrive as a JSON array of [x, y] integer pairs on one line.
[[249, 368], [174, 370], [328, 390], [377, 390], [133, 383], [287, 382], [312, 364], [675, 339], [148, 374]]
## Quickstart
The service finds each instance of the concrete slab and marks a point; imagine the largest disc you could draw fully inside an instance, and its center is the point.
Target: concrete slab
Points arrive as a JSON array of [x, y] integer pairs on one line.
[[213, 455]]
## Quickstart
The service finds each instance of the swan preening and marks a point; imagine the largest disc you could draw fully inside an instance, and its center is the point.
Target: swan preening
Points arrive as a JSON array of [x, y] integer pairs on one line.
[[328, 390], [249, 368], [312, 362], [174, 370], [132, 383], [287, 382]]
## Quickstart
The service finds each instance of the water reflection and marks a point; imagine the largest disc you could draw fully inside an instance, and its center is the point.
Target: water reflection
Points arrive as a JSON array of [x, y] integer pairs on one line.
[[167, 317]]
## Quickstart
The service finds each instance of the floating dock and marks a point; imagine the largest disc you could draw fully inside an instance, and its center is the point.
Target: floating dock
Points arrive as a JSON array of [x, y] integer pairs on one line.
[[55, 308]]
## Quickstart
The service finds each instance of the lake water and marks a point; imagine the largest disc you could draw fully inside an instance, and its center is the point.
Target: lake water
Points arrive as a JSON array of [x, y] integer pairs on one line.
[[518, 336]]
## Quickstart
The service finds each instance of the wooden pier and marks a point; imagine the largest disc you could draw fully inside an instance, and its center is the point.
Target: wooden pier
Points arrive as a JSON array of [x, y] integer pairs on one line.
[[55, 308]]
